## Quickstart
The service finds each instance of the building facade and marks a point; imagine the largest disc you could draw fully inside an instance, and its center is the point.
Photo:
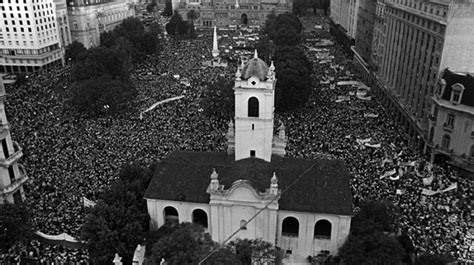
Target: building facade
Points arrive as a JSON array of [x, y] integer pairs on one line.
[[12, 174], [422, 37], [62, 22], [88, 19], [29, 38], [343, 17], [232, 12], [242, 188], [451, 133]]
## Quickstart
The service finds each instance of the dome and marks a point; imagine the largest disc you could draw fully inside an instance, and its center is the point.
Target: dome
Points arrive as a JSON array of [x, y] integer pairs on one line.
[[255, 67]]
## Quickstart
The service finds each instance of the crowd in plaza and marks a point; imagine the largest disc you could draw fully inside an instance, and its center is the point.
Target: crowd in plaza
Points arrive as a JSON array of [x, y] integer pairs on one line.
[[68, 157]]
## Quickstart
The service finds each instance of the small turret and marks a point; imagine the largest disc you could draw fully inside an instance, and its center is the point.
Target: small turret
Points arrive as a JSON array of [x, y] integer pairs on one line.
[[214, 186]]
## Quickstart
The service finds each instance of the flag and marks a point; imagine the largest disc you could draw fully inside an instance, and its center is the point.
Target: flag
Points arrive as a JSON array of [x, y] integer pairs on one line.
[[428, 181], [453, 186], [428, 192], [88, 203], [159, 103]]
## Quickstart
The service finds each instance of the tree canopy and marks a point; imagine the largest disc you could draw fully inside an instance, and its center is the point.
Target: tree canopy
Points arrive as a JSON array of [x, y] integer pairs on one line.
[[15, 225], [177, 27], [74, 51], [119, 220], [374, 215], [293, 72], [168, 11]]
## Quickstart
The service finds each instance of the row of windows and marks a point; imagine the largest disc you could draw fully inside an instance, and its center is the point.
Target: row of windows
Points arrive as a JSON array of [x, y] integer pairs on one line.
[[290, 225], [422, 6], [425, 23], [28, 61]]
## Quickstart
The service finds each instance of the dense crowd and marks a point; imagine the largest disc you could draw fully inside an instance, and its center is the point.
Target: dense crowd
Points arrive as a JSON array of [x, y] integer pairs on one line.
[[68, 157]]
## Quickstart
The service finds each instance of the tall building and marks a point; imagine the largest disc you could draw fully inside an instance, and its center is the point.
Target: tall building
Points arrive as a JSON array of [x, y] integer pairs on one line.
[[63, 23], [224, 191], [378, 40], [451, 134], [421, 38], [12, 174], [88, 19], [343, 17], [231, 12], [29, 37]]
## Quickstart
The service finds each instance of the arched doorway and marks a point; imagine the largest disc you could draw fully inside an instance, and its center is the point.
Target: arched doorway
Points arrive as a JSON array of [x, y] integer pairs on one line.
[[171, 215], [200, 218], [244, 19]]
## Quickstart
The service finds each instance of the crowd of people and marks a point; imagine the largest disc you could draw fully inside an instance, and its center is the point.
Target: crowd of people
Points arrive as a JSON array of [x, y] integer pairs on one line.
[[68, 157]]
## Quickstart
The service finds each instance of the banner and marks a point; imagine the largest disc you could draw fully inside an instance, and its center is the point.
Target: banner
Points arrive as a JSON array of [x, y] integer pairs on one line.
[[453, 186], [370, 115], [388, 173], [428, 181], [159, 103], [428, 192], [373, 145], [87, 202], [399, 192]]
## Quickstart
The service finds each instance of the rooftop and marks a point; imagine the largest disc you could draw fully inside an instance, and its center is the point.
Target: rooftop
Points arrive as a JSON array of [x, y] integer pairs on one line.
[[186, 175], [467, 80], [255, 67]]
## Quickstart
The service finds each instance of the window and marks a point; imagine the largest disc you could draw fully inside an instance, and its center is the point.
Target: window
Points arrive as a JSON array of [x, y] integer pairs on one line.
[[322, 229], [445, 142], [471, 153], [253, 107], [200, 218], [290, 227], [252, 153], [449, 121], [456, 93], [243, 224], [171, 215]]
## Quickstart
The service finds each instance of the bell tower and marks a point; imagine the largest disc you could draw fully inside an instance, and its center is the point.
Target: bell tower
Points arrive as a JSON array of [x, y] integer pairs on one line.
[[254, 92]]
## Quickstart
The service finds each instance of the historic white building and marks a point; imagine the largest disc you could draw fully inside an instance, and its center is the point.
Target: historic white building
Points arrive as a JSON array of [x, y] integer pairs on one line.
[[304, 206]]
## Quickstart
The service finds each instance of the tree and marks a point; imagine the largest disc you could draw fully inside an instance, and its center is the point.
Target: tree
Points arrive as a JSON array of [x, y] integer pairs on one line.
[[150, 8], [293, 71], [155, 29], [371, 248], [256, 251], [15, 225], [119, 220], [100, 61], [168, 11], [192, 15], [374, 215], [218, 99], [74, 51], [188, 244]]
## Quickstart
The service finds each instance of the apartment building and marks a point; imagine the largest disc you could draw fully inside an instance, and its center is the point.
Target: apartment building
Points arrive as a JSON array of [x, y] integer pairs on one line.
[[29, 38], [451, 133]]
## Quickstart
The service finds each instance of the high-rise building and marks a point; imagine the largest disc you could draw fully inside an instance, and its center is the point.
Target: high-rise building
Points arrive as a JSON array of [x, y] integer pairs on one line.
[[12, 174], [421, 38], [28, 36], [88, 19], [344, 15], [231, 12], [451, 134]]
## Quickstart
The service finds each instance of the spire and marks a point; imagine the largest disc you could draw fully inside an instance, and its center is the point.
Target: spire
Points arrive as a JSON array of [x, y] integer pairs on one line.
[[237, 4], [256, 54], [215, 50], [281, 132]]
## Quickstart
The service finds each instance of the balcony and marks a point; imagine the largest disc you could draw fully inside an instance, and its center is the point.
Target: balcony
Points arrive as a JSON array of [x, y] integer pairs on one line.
[[17, 182], [17, 154], [448, 127]]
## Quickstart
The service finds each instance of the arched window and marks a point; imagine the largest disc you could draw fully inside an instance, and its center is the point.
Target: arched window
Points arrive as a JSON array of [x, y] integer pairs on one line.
[[322, 229], [243, 224], [253, 107], [171, 215], [200, 217], [290, 227], [445, 141]]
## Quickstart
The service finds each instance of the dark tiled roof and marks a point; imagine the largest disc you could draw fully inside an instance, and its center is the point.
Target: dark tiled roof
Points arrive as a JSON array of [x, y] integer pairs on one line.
[[255, 67], [466, 80], [186, 175]]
